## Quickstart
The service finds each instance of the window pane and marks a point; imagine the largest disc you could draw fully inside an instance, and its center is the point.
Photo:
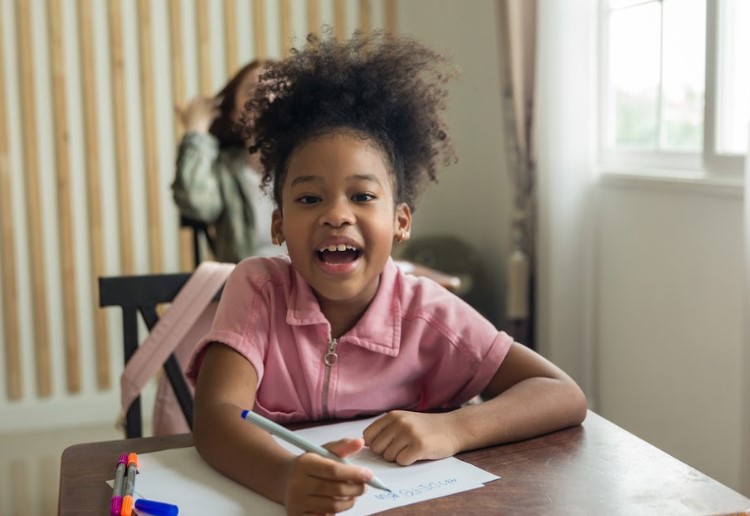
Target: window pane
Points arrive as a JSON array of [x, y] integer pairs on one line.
[[733, 86], [684, 43], [634, 66]]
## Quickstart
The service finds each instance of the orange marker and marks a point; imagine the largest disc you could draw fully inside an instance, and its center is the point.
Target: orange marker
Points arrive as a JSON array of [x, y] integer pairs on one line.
[[127, 499]]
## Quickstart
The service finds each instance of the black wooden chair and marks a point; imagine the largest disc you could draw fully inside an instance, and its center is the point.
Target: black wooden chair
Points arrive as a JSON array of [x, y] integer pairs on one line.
[[142, 294], [201, 234]]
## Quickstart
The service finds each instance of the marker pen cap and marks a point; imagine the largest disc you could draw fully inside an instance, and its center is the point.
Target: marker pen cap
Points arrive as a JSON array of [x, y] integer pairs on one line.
[[155, 508], [127, 506], [115, 506]]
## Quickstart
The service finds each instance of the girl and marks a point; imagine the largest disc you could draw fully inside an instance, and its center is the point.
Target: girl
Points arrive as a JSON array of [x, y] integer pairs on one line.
[[347, 134], [217, 182]]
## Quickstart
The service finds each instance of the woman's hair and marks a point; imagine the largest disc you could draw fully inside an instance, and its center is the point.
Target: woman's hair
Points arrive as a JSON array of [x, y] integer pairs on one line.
[[388, 89], [225, 127]]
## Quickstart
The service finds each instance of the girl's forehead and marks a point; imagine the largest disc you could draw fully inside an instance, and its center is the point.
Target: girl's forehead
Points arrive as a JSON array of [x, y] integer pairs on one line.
[[340, 144], [331, 155]]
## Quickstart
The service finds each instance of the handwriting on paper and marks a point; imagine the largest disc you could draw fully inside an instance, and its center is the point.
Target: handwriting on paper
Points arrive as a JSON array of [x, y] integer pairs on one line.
[[416, 490]]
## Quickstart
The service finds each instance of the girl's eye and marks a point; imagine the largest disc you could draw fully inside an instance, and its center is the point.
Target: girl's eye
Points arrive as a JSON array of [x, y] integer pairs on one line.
[[308, 199], [363, 197]]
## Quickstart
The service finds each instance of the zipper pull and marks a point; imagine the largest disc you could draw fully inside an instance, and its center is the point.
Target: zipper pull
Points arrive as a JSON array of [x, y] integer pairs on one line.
[[331, 357]]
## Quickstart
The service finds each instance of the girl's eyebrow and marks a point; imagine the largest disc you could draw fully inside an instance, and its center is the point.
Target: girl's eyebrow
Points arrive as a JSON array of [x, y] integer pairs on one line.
[[314, 179], [303, 179]]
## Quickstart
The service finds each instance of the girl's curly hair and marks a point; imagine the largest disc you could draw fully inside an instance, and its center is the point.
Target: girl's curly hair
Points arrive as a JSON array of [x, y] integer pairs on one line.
[[225, 127], [389, 89]]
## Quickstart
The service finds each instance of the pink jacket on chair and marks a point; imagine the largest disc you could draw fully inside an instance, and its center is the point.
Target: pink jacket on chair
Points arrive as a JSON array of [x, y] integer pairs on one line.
[[188, 318]]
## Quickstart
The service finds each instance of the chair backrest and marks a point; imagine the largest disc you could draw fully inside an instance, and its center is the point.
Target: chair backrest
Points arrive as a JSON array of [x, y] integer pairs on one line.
[[141, 295], [200, 233]]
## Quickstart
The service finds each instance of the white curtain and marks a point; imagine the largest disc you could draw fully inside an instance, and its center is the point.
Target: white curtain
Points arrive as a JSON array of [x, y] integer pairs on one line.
[[745, 444], [564, 130]]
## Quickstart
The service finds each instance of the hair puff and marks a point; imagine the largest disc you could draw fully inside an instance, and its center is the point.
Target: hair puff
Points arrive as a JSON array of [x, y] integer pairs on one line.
[[389, 89]]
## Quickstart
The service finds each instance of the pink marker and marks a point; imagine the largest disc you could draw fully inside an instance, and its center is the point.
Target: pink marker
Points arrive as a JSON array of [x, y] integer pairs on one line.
[[116, 503]]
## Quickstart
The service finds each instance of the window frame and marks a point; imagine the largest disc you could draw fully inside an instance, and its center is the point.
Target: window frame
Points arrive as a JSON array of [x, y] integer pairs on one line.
[[692, 166]]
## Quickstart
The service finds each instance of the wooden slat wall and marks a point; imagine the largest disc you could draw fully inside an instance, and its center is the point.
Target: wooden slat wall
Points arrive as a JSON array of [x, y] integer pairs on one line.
[[177, 66], [259, 28], [365, 16], [101, 164], [390, 24], [93, 188], [230, 36], [339, 19], [64, 202], [204, 49], [13, 378], [148, 114], [285, 26], [313, 16], [122, 161], [35, 228]]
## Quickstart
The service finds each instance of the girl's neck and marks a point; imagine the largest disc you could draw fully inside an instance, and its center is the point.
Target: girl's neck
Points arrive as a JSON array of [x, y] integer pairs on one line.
[[341, 316]]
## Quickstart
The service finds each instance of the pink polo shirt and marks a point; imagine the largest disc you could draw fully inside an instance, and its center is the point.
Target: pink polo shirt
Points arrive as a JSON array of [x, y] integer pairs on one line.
[[417, 347]]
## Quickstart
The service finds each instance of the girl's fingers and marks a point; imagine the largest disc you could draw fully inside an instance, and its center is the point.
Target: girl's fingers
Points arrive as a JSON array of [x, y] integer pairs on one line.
[[407, 456], [380, 439], [327, 488], [345, 447], [326, 469], [375, 428], [394, 448]]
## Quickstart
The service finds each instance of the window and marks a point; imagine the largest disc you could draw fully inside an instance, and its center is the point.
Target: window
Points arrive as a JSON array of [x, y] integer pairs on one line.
[[675, 84]]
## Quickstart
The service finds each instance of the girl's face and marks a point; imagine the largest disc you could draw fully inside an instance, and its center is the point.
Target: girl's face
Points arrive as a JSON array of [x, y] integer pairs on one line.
[[339, 218]]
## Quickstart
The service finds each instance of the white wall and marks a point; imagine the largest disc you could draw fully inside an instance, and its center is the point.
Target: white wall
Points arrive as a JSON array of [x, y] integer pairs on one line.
[[670, 319], [473, 199]]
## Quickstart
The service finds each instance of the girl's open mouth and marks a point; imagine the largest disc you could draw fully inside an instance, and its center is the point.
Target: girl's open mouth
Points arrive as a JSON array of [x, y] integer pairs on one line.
[[338, 254]]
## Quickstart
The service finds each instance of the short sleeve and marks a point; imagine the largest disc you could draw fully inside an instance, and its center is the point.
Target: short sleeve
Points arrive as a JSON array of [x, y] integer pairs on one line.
[[467, 373], [465, 351], [241, 318]]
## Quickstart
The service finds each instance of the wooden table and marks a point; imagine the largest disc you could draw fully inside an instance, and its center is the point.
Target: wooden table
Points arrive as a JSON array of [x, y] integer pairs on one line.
[[597, 468]]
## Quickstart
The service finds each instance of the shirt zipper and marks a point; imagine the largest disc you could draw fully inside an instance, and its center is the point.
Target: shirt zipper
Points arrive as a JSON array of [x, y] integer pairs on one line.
[[330, 360]]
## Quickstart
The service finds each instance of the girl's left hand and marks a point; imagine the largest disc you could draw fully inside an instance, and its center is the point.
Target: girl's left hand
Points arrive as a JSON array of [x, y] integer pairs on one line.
[[406, 437]]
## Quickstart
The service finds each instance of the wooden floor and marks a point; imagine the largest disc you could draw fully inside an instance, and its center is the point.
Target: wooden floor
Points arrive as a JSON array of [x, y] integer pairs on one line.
[[30, 466]]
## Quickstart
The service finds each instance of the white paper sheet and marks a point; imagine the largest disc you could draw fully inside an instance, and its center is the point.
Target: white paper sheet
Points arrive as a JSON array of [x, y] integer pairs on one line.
[[182, 478]]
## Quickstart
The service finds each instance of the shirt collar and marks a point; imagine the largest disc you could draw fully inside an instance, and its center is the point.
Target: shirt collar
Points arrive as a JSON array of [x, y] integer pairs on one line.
[[378, 330]]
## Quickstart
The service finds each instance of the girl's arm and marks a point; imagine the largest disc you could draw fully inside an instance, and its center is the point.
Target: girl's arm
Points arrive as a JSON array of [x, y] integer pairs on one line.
[[226, 385], [530, 396], [196, 188]]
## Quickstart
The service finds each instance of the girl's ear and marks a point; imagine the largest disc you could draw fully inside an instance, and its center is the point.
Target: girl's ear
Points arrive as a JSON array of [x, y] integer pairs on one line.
[[277, 227], [402, 222]]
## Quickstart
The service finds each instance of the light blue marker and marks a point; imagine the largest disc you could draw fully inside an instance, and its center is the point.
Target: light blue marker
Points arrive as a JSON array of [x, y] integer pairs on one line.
[[300, 442]]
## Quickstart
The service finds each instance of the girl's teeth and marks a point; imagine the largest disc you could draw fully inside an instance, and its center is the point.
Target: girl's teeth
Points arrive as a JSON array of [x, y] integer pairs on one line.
[[339, 247]]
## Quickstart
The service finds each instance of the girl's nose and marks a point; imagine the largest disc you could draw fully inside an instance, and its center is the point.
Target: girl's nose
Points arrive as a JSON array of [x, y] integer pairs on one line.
[[337, 213]]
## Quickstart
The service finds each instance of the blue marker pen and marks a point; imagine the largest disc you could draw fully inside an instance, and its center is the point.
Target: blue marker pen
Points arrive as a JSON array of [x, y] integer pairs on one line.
[[155, 508]]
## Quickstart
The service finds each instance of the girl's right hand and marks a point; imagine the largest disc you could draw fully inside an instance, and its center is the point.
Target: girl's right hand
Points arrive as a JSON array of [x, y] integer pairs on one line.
[[198, 115], [321, 486]]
